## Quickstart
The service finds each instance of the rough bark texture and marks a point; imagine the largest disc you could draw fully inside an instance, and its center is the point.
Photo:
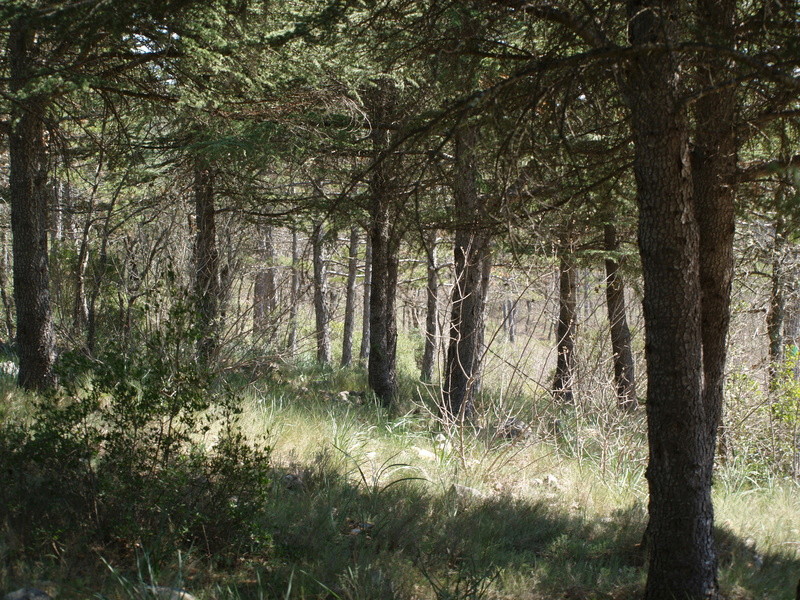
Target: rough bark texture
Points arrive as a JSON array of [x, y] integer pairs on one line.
[[714, 157], [350, 299], [321, 310], [206, 262], [363, 353], [384, 240], [566, 326], [472, 264], [431, 309], [265, 291], [682, 561], [28, 158], [624, 374]]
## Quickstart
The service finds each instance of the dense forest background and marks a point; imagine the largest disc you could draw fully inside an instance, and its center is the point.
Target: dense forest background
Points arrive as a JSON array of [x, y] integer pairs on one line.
[[399, 299]]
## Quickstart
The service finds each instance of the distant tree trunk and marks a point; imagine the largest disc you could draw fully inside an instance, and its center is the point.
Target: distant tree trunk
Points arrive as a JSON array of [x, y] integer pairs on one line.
[[28, 177], [681, 431], [364, 351], [472, 266], [624, 376], [431, 314], [294, 294], [776, 313], [385, 241], [265, 292], [566, 325], [350, 298], [510, 319], [8, 307], [321, 309], [80, 307], [206, 260]]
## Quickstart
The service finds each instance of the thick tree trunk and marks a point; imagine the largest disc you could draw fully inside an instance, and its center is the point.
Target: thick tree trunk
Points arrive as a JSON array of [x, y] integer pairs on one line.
[[28, 177], [364, 350], [624, 376], [350, 298], [206, 263], [682, 562], [294, 295], [321, 309], [472, 265], [265, 291], [384, 239], [431, 309], [714, 158], [567, 324]]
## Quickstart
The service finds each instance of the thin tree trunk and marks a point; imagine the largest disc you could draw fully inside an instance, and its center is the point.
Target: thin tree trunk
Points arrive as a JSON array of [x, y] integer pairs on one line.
[[624, 376], [510, 319], [777, 305], [8, 307], [350, 298], [206, 262], [294, 295], [566, 325], [364, 350], [472, 265], [28, 162], [265, 292], [682, 561], [432, 313], [321, 309]]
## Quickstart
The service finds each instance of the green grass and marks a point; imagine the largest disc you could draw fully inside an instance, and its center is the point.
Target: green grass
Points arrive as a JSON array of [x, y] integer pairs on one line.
[[363, 503]]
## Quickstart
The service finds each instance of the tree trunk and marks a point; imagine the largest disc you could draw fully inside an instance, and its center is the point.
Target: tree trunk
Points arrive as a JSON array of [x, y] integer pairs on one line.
[[432, 313], [566, 325], [384, 238], [472, 265], [321, 308], [265, 292], [624, 376], [777, 304], [682, 562], [350, 298], [510, 319], [206, 262], [28, 177], [294, 295], [364, 350], [8, 308]]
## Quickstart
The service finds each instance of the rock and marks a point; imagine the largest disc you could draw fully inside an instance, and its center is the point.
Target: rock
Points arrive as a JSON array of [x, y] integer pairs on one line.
[[161, 592], [464, 491], [27, 594], [422, 453], [293, 481]]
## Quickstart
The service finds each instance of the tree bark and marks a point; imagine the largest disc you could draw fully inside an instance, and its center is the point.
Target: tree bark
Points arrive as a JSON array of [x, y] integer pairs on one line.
[[28, 177], [624, 375], [206, 262], [350, 298], [681, 438], [510, 319], [776, 313], [321, 309], [472, 266], [431, 309], [265, 291], [294, 294], [566, 326], [364, 350]]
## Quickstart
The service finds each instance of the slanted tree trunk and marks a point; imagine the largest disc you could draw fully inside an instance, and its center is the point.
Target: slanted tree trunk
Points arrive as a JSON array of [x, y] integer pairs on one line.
[[431, 314], [350, 298], [364, 350], [566, 326], [294, 295], [472, 266], [681, 438], [624, 376], [28, 177], [321, 309], [206, 262], [265, 291]]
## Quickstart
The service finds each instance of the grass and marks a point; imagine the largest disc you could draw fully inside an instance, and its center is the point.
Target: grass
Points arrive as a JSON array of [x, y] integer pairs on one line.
[[361, 503]]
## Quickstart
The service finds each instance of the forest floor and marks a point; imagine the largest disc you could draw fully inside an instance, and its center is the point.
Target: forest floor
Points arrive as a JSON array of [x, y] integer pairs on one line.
[[359, 503]]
